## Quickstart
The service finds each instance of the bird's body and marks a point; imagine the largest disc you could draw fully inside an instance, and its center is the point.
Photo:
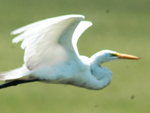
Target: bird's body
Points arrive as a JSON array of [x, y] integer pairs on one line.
[[51, 55]]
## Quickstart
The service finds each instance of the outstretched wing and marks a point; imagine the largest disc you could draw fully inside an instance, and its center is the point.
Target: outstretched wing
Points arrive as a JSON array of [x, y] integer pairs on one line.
[[49, 42]]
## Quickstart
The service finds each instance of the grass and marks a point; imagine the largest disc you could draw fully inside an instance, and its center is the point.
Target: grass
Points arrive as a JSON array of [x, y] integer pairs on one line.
[[117, 25]]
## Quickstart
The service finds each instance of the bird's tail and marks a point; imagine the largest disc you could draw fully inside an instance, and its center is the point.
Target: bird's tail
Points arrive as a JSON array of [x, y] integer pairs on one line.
[[16, 74]]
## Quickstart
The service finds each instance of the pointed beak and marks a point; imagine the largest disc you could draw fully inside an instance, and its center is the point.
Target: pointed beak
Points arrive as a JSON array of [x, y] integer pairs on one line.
[[126, 56]]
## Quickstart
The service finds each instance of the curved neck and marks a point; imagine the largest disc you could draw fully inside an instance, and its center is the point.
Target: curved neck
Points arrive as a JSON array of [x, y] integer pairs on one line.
[[100, 77], [93, 77]]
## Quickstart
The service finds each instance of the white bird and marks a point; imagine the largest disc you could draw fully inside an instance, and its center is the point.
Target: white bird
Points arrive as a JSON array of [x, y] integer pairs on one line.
[[51, 55]]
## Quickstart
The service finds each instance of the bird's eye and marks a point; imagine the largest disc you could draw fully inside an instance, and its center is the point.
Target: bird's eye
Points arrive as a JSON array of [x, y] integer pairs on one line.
[[113, 54]]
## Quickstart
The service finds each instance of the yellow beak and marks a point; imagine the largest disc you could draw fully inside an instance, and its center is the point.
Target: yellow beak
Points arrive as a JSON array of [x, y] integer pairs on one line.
[[125, 56]]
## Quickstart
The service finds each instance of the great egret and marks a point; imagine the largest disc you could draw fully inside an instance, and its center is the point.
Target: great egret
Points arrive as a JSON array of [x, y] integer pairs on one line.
[[51, 55]]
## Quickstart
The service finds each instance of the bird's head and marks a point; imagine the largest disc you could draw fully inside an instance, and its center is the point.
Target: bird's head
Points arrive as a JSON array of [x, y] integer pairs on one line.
[[108, 55]]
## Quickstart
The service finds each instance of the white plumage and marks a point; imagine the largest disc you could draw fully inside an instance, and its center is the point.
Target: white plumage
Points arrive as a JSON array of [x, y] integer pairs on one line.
[[51, 54]]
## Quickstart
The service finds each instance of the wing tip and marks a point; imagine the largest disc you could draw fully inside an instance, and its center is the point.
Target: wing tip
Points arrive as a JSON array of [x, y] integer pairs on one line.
[[15, 32], [74, 16], [89, 23]]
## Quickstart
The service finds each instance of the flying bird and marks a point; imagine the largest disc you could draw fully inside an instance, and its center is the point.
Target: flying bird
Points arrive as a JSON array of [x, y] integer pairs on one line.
[[51, 55]]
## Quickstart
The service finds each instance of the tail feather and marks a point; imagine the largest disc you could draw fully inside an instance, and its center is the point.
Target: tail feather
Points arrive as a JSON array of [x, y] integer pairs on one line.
[[14, 74]]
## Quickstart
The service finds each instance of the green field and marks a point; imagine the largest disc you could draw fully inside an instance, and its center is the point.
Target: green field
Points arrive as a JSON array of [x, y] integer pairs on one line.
[[123, 26]]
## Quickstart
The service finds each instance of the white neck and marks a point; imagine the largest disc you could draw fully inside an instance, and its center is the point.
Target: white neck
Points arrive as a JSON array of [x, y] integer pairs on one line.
[[100, 77]]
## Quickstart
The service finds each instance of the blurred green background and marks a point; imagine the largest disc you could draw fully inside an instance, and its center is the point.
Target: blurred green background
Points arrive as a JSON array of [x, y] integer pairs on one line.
[[120, 25]]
